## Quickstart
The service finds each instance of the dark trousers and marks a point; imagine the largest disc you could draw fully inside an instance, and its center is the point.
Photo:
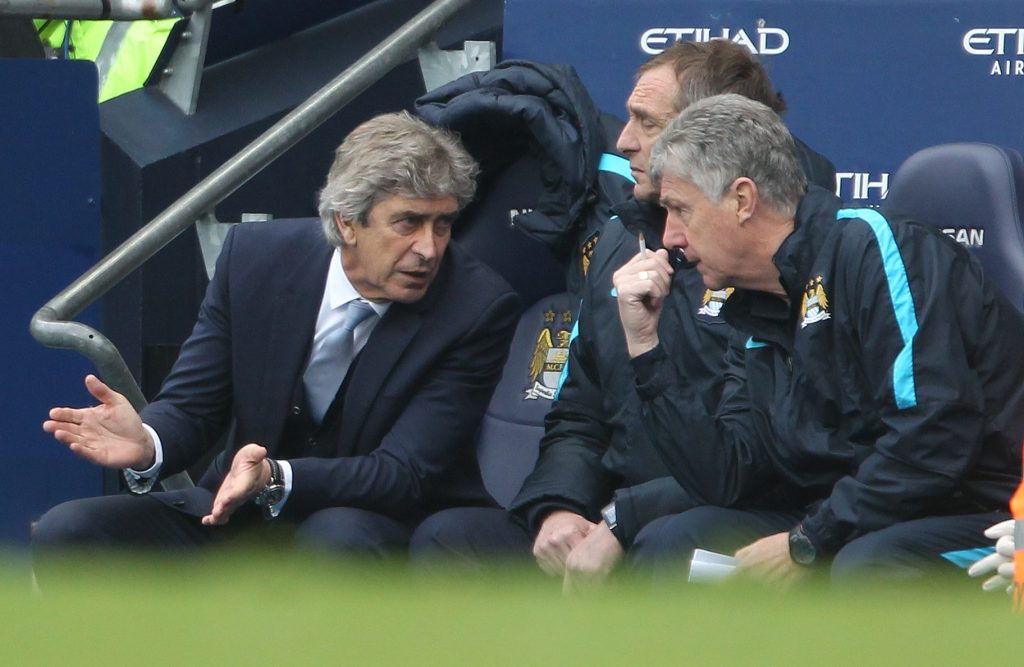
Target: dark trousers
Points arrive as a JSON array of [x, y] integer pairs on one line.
[[143, 522], [470, 537], [904, 550]]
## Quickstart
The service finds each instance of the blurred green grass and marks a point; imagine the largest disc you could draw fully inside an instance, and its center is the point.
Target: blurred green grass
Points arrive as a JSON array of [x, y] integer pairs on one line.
[[254, 608]]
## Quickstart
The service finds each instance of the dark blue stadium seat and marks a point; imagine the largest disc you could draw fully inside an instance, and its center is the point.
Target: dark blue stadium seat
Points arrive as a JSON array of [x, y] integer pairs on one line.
[[514, 422], [486, 231], [974, 192]]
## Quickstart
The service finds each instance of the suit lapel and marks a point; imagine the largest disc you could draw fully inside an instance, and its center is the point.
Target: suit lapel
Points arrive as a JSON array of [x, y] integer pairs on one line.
[[373, 367], [292, 320], [378, 358]]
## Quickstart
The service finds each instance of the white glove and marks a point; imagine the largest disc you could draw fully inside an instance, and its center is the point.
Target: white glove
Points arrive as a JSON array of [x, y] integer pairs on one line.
[[999, 564]]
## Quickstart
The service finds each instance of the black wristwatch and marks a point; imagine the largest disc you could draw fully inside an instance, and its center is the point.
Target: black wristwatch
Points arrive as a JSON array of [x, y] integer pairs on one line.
[[801, 549], [273, 492]]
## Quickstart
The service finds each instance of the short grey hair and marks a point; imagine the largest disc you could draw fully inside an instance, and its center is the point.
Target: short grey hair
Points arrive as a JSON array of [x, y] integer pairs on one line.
[[724, 137], [394, 154]]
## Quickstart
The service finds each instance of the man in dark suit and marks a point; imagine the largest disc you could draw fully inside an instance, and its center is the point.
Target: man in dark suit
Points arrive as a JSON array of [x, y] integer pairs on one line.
[[349, 428]]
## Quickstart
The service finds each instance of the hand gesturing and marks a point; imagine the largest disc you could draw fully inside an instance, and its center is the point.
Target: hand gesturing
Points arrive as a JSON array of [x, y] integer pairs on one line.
[[109, 434]]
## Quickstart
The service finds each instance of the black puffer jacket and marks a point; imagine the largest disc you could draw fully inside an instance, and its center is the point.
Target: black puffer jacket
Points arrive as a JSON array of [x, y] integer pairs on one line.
[[543, 110], [593, 450]]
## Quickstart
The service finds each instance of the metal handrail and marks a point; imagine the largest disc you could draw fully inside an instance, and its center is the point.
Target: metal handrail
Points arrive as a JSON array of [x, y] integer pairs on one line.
[[116, 10], [52, 325]]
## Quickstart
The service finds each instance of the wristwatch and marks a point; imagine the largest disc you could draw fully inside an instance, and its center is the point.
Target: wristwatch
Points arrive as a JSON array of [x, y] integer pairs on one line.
[[801, 549], [611, 520], [273, 492]]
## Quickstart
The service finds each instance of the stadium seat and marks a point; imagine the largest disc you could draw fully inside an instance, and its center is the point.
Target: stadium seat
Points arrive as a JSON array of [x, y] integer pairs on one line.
[[486, 231], [514, 421], [973, 192], [510, 433]]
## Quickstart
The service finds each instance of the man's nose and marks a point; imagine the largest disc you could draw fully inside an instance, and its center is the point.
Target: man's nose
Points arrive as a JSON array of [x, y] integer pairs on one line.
[[627, 142], [425, 242], [674, 236]]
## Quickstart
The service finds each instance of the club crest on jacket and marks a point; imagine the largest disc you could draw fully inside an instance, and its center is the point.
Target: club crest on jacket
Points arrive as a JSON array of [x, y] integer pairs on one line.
[[814, 307], [711, 304], [549, 355]]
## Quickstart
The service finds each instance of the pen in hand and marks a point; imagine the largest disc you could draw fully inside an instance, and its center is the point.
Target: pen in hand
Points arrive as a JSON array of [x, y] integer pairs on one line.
[[643, 245]]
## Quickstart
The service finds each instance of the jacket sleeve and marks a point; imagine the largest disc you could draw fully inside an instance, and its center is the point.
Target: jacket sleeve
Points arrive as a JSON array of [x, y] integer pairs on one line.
[[638, 505], [718, 455], [435, 429], [915, 356], [194, 405], [569, 474]]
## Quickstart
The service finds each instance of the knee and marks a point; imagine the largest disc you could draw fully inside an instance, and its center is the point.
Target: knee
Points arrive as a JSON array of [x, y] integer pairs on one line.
[[438, 533], [873, 556], [69, 524], [352, 531], [473, 534], [674, 537]]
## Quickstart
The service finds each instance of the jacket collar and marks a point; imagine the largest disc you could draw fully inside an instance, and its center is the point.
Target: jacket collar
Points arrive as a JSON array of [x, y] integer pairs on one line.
[[642, 215], [814, 221]]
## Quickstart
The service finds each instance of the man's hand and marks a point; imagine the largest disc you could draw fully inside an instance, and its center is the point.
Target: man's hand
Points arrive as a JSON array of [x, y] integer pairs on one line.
[[641, 285], [768, 560], [249, 473], [109, 434], [592, 560], [999, 564], [559, 534]]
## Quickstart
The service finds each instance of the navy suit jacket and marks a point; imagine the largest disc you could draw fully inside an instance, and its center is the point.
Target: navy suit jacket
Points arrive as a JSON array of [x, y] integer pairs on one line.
[[404, 443]]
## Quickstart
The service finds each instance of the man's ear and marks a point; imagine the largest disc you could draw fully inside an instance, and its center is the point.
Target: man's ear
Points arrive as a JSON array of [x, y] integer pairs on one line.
[[743, 192], [345, 228]]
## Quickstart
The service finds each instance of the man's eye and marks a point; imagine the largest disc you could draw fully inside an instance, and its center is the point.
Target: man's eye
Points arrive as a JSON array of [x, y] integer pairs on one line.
[[405, 225], [443, 227]]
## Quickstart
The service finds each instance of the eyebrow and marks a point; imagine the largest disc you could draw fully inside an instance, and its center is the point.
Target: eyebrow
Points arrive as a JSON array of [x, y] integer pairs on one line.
[[398, 215]]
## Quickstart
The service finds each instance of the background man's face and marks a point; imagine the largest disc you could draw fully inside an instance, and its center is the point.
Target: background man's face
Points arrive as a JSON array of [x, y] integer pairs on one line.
[[650, 107], [395, 256]]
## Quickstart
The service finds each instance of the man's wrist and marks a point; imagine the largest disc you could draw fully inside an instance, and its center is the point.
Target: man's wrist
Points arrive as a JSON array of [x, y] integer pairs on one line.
[[155, 460], [272, 491], [635, 348]]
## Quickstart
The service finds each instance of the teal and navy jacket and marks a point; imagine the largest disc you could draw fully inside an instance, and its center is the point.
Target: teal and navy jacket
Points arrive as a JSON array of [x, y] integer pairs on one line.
[[889, 388]]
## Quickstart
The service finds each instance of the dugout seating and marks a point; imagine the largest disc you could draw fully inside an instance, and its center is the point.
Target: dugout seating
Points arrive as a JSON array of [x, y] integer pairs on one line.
[[973, 192], [512, 427], [507, 443]]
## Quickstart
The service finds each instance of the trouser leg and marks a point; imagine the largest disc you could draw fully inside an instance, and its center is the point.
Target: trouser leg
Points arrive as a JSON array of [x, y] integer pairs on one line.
[[912, 549], [354, 532], [665, 546], [470, 537], [107, 522]]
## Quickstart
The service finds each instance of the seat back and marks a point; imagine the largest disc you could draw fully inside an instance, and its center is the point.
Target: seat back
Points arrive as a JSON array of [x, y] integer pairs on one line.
[[974, 193], [486, 231], [514, 423]]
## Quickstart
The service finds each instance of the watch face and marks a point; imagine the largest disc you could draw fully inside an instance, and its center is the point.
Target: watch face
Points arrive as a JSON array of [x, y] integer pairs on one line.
[[608, 514], [801, 550], [271, 495]]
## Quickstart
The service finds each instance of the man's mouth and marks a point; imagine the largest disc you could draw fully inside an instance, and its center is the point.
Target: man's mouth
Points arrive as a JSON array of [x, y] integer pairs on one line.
[[417, 276]]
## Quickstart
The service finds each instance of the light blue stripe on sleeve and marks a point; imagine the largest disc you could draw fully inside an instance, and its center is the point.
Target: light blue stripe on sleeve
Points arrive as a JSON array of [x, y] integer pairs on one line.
[[902, 301], [617, 165], [565, 368], [754, 344]]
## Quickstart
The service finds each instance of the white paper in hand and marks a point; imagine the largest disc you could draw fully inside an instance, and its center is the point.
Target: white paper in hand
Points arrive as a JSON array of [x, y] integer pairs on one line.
[[708, 566]]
